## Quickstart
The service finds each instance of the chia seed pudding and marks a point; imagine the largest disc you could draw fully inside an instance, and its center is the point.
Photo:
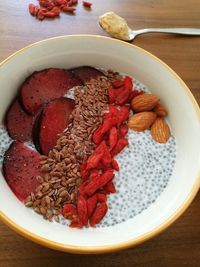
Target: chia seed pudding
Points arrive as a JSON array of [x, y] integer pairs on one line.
[[145, 169]]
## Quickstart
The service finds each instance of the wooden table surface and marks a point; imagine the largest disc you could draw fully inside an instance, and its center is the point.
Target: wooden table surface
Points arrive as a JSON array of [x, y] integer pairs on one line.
[[179, 245]]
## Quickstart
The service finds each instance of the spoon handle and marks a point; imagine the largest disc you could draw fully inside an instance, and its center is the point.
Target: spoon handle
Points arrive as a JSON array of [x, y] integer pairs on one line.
[[185, 31]]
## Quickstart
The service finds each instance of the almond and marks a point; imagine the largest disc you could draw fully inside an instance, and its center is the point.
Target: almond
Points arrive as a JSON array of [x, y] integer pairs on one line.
[[144, 102], [141, 121], [160, 110], [160, 131]]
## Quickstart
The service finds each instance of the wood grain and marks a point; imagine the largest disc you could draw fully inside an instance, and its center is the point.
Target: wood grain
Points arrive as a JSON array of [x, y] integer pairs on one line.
[[180, 244]]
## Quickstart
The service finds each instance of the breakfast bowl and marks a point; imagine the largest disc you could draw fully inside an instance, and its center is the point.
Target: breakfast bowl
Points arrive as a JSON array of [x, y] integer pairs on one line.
[[68, 52]]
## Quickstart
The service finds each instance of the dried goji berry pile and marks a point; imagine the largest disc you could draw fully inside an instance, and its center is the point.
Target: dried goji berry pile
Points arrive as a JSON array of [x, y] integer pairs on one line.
[[52, 8], [97, 172]]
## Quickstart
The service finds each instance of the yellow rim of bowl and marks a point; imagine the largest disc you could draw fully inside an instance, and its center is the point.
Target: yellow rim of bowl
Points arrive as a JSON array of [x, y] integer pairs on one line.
[[121, 245]]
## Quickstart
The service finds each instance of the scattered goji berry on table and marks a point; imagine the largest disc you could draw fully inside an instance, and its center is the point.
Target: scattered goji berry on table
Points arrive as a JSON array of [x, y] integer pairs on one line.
[[70, 9], [98, 214], [87, 4], [31, 8]]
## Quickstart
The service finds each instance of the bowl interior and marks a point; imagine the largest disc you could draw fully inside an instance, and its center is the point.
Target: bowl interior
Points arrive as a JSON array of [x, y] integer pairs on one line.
[[184, 118]]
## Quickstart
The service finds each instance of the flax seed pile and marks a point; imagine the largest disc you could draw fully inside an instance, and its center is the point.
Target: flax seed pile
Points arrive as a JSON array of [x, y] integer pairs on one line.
[[61, 169]]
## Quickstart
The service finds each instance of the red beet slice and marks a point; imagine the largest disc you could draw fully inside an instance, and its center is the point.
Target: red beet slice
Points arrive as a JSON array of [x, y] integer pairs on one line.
[[86, 73], [43, 86], [53, 121], [18, 123], [20, 168]]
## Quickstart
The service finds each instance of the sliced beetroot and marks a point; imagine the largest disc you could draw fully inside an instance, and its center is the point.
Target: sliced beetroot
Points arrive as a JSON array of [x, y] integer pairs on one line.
[[43, 86], [18, 123], [86, 73], [20, 168], [53, 121]]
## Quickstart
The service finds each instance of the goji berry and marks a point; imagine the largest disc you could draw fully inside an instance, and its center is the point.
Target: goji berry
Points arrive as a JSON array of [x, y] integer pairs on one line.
[[98, 182], [84, 173], [87, 4], [70, 9], [55, 10], [128, 83], [36, 10], [109, 188], [122, 95], [97, 136], [91, 205], [115, 165], [123, 130], [74, 2], [94, 160], [111, 94], [118, 83], [135, 93], [40, 14], [82, 210], [31, 8], [106, 159], [121, 144], [98, 214], [113, 137], [123, 114], [101, 197], [69, 211], [50, 14], [76, 224]]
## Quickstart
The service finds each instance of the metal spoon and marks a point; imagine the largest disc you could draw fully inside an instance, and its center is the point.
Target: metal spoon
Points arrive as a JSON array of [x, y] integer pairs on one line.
[[183, 31]]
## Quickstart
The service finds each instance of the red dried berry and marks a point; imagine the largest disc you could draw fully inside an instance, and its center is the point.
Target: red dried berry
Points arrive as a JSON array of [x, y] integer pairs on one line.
[[87, 4], [122, 95], [36, 10], [82, 210], [101, 197], [69, 211], [31, 8], [99, 182], [135, 93], [117, 84], [50, 14], [121, 144], [110, 188], [70, 9], [98, 214], [111, 94], [91, 205], [123, 130], [76, 224], [123, 114], [113, 137], [115, 165], [128, 83], [106, 159]]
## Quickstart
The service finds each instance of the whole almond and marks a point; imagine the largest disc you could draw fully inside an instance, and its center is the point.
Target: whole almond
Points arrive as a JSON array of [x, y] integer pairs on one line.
[[144, 102], [141, 121], [160, 131], [160, 110]]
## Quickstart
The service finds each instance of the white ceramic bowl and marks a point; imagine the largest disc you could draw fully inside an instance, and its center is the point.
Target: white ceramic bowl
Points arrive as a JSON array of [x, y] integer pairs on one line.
[[184, 117]]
